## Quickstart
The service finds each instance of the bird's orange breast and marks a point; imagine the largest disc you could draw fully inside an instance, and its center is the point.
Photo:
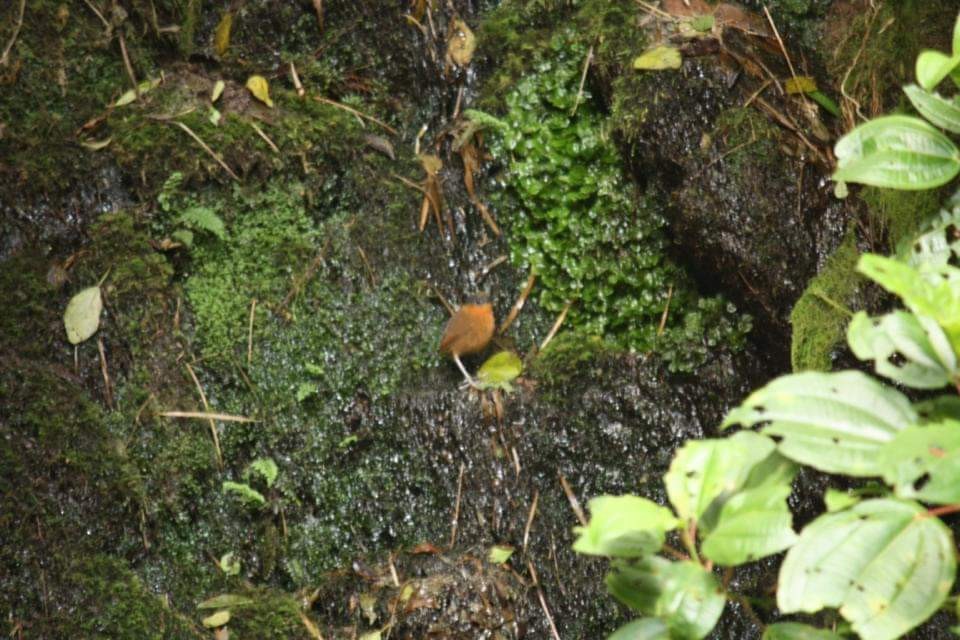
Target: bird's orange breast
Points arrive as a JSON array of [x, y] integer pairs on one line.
[[469, 330]]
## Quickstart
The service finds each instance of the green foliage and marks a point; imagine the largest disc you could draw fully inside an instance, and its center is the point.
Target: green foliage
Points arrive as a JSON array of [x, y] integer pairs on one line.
[[499, 370], [572, 218], [624, 527], [266, 468], [244, 491]]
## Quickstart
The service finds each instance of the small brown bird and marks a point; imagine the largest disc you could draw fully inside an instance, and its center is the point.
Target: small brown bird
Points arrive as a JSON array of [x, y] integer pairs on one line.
[[468, 331]]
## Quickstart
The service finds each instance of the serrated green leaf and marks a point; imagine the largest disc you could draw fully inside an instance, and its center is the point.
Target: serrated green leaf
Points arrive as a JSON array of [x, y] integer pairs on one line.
[[834, 422], [752, 525], [266, 468], [226, 601], [923, 463], [499, 370], [82, 316], [939, 110], [498, 554], [909, 349], [797, 631], [926, 290], [244, 491], [933, 67], [898, 152], [682, 594], [217, 619], [659, 58], [705, 472], [642, 629], [884, 564], [624, 527], [836, 500]]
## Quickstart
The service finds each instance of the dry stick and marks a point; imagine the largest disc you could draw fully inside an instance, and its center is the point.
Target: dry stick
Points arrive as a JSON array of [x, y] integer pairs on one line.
[[4, 59], [583, 80], [205, 415], [456, 507], [127, 65], [518, 305], [485, 271], [856, 59], [253, 308], [359, 114], [106, 24], [556, 326], [543, 601], [213, 425], [556, 565], [487, 216], [106, 374], [783, 49], [530, 516], [574, 503], [265, 137], [393, 573], [756, 93], [409, 183], [516, 460], [296, 81], [666, 312], [203, 145]]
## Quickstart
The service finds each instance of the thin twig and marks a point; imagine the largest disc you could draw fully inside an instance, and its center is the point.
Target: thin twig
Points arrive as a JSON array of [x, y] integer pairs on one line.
[[253, 308], [127, 65], [556, 326], [359, 114], [106, 374], [496, 262], [106, 23], [518, 305], [456, 507], [296, 81], [530, 516], [409, 183], [203, 145], [556, 565], [753, 96], [666, 312], [203, 415], [206, 406], [583, 80], [5, 58], [572, 498], [783, 49], [543, 602], [265, 137]]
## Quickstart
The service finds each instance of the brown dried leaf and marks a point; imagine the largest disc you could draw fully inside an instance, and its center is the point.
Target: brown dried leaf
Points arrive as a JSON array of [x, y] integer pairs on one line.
[[461, 44], [686, 8]]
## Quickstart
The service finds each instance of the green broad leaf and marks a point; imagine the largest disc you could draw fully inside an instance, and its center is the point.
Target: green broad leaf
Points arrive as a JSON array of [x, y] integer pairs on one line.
[[642, 629], [659, 58], [752, 525], [939, 244], [926, 290], [217, 619], [933, 67], [836, 500], [834, 422], [82, 317], [499, 371], [826, 102], [884, 564], [226, 601], [956, 37], [682, 594], [943, 112], [705, 471], [230, 564], [910, 349], [797, 631], [624, 527], [266, 468], [898, 152], [244, 491], [499, 554], [923, 463]]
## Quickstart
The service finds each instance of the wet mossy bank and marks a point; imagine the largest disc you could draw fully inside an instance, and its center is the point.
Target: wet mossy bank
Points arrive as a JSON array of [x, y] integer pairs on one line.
[[311, 309]]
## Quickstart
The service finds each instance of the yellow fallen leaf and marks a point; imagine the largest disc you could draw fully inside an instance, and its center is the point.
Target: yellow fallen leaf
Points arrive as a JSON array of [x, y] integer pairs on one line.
[[221, 37], [260, 89], [800, 84], [217, 619], [658, 58], [217, 90]]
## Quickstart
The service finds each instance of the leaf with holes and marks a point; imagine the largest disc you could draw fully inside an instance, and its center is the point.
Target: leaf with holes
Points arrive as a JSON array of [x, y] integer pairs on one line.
[[624, 527], [898, 152], [797, 631], [682, 594], [834, 422], [923, 463], [910, 349], [642, 629], [943, 112], [705, 473], [752, 525], [926, 290], [885, 566]]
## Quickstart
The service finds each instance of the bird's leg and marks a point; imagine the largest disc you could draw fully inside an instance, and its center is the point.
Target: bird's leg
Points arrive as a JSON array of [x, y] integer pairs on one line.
[[470, 381]]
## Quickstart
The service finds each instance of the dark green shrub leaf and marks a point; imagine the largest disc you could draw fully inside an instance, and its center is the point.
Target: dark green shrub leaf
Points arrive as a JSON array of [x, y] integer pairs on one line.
[[938, 409], [923, 463], [933, 67], [682, 594], [642, 629], [926, 289], [752, 525], [912, 350], [624, 527], [797, 631], [943, 112], [898, 152], [704, 470], [884, 564], [834, 422]]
